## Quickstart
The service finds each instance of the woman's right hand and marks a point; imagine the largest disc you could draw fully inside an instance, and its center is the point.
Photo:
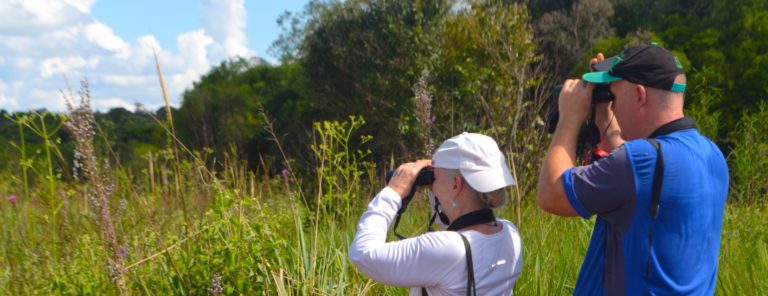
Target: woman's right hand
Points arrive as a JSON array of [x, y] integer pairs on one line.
[[405, 175]]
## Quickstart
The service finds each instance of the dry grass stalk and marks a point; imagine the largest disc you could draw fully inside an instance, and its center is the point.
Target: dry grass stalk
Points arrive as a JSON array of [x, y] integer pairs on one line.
[[424, 112], [169, 114], [81, 125], [151, 173]]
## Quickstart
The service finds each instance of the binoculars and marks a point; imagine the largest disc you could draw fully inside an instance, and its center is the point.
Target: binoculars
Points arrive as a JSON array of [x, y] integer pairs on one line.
[[425, 177]]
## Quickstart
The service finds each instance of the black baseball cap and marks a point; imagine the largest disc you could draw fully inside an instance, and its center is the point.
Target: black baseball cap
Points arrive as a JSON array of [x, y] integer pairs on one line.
[[647, 65]]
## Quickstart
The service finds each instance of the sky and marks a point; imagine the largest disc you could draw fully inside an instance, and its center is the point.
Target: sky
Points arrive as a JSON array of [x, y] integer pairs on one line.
[[48, 45]]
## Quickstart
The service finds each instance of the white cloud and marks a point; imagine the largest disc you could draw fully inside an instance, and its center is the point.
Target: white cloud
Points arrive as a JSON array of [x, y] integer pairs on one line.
[[44, 98], [102, 35], [83, 6], [44, 42], [128, 80], [63, 65], [23, 63], [31, 16], [6, 102], [109, 103], [224, 21], [192, 48]]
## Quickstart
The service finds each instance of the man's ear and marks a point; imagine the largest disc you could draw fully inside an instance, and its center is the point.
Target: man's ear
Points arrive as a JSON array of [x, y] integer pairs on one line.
[[641, 96]]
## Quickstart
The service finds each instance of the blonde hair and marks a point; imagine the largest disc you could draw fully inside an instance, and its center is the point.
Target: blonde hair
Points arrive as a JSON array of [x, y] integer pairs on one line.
[[496, 198]]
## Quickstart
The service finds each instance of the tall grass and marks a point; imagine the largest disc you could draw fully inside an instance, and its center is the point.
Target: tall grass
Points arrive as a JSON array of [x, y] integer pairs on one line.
[[255, 233]]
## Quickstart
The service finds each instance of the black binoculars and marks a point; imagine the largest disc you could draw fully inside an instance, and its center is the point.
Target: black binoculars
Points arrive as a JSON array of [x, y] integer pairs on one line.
[[425, 177], [601, 93]]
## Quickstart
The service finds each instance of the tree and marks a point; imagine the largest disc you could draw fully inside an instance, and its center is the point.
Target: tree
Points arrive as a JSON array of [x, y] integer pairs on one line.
[[484, 71], [223, 111], [565, 35], [361, 57]]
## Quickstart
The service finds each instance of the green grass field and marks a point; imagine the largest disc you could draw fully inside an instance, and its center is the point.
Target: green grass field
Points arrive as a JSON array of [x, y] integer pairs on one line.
[[257, 237], [175, 225]]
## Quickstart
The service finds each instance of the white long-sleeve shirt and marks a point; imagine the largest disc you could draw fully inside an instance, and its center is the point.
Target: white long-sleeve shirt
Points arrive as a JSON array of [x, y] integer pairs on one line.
[[434, 260]]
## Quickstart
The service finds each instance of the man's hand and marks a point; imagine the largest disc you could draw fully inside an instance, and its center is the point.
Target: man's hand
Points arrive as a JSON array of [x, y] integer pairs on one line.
[[598, 58], [574, 101], [610, 131], [405, 175]]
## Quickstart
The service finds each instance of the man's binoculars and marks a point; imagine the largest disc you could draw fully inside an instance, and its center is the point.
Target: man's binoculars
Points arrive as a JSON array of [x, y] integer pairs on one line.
[[601, 93]]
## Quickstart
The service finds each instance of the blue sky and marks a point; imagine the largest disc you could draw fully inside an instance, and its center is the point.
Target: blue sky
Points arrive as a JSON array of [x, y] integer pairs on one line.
[[167, 18], [44, 43]]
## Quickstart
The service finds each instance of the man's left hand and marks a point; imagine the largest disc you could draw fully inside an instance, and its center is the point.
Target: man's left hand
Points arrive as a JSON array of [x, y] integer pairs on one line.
[[574, 101]]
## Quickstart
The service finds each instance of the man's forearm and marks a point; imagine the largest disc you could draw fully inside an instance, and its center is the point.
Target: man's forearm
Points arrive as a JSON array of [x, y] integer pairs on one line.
[[610, 137], [560, 157]]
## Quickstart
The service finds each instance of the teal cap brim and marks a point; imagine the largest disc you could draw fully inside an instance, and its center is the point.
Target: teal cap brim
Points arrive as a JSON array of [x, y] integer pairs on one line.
[[677, 87], [599, 77]]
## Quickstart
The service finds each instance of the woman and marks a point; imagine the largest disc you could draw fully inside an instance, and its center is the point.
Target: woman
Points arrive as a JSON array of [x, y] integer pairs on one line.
[[470, 179]]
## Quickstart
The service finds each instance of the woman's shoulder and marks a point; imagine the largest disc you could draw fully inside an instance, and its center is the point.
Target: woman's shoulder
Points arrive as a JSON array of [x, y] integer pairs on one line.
[[508, 225], [508, 232], [441, 244]]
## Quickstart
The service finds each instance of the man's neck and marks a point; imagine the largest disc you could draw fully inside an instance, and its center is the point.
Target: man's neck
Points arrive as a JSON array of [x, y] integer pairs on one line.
[[662, 119]]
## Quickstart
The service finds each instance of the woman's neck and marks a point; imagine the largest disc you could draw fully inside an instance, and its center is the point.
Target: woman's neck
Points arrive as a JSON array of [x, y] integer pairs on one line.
[[487, 229]]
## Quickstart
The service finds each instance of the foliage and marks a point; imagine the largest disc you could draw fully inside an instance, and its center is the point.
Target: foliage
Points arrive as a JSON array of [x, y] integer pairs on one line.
[[727, 37], [361, 58], [484, 71], [350, 97], [222, 109], [340, 166], [749, 164], [566, 34]]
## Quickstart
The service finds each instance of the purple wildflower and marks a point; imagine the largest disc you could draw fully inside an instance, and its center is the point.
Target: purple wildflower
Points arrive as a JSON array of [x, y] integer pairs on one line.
[[12, 199], [285, 173], [216, 287]]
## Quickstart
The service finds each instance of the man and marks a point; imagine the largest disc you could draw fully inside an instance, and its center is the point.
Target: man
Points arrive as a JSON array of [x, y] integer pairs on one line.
[[659, 211]]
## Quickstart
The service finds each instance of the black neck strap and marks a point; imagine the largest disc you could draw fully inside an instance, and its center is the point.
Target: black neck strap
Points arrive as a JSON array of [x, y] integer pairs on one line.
[[679, 124], [473, 218]]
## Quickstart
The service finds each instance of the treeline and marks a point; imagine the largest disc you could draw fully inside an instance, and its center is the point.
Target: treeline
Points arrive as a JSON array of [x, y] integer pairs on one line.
[[421, 71]]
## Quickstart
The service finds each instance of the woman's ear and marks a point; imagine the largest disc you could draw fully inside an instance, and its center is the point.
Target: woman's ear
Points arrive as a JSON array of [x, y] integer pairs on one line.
[[457, 182]]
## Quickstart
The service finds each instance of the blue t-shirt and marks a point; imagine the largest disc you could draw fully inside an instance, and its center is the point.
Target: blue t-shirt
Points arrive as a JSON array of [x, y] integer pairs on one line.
[[686, 233]]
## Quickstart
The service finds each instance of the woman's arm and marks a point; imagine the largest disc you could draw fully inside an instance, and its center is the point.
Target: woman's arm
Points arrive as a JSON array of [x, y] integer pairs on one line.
[[420, 261]]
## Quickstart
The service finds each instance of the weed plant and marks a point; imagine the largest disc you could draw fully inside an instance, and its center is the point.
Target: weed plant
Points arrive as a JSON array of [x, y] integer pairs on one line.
[[247, 232]]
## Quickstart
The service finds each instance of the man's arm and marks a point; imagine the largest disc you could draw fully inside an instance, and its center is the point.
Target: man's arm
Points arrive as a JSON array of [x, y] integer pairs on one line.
[[560, 157], [574, 102]]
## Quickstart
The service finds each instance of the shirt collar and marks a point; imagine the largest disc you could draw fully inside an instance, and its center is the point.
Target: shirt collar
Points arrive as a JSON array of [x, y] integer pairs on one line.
[[679, 124]]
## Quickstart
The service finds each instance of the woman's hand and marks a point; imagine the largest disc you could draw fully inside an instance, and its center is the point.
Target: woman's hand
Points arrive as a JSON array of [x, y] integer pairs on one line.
[[405, 175]]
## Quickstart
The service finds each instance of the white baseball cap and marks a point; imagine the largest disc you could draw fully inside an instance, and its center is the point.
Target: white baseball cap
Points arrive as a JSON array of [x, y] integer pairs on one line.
[[478, 159]]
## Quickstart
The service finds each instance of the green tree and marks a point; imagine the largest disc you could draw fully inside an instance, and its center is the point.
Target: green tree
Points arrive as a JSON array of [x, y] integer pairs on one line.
[[484, 69], [361, 57], [223, 110], [566, 35]]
